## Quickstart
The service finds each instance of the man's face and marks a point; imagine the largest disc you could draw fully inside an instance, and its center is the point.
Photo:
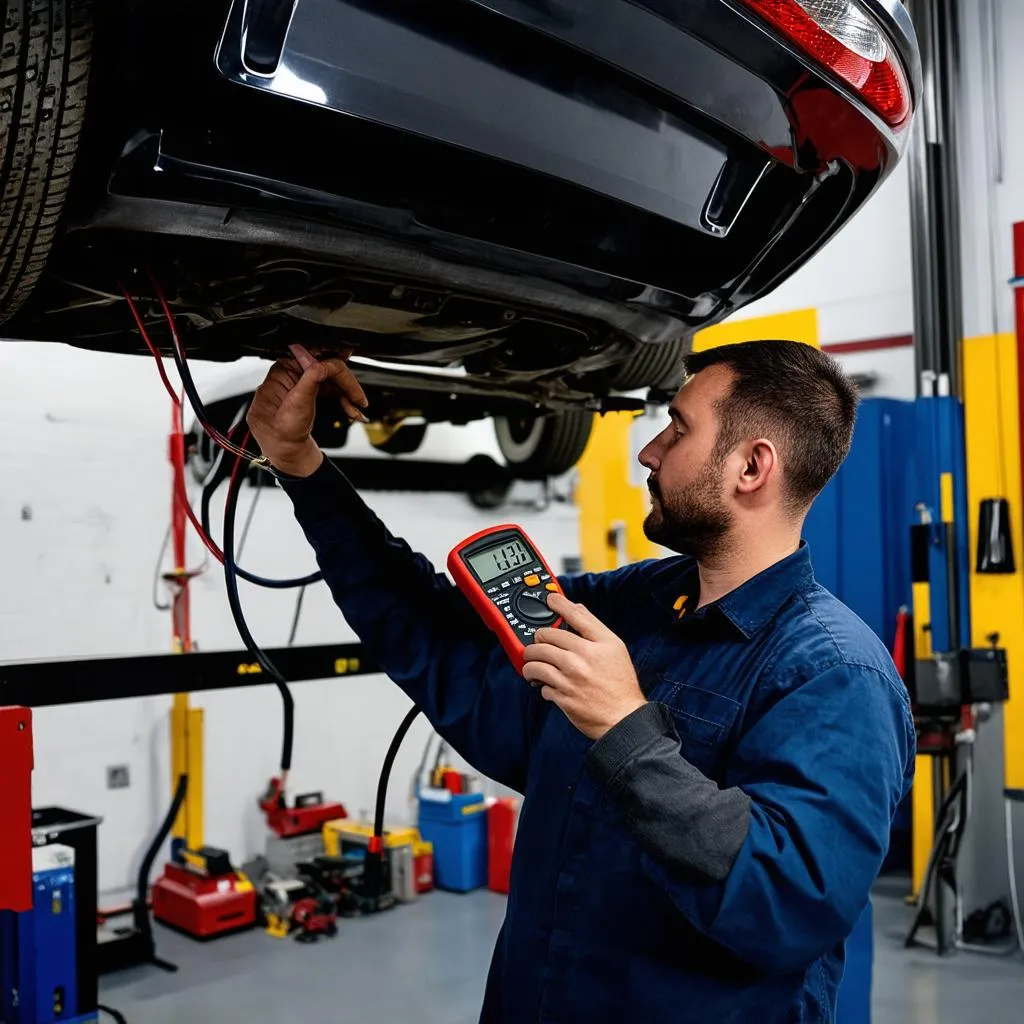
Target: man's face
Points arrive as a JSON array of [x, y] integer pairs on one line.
[[689, 509]]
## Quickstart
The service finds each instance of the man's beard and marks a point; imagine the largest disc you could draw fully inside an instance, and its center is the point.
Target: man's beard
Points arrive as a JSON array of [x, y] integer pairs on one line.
[[693, 521]]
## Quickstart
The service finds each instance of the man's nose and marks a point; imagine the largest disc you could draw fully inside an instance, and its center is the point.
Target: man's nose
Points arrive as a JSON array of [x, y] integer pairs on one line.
[[648, 457]]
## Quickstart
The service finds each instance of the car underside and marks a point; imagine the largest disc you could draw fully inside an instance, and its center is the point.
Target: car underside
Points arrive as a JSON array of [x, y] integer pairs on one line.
[[504, 208]]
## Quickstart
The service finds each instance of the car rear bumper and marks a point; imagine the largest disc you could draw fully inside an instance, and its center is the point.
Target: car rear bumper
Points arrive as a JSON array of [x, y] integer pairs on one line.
[[677, 109], [635, 169]]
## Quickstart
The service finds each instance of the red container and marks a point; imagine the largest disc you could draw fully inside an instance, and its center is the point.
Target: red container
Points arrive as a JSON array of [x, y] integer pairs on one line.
[[501, 832], [423, 866], [203, 905]]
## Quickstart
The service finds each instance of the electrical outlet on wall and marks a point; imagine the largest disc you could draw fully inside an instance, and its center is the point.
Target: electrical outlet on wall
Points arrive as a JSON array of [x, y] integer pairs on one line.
[[117, 776]]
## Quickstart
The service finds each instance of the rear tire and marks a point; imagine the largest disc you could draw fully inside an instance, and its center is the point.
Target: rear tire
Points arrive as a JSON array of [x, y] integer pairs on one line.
[[652, 366], [536, 447], [45, 55]]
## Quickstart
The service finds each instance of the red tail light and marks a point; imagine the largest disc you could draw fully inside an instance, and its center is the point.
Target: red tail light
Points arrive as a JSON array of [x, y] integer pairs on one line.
[[844, 37]]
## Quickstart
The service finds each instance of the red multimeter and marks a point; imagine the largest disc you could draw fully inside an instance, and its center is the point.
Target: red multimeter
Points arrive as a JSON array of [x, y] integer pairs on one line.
[[507, 582]]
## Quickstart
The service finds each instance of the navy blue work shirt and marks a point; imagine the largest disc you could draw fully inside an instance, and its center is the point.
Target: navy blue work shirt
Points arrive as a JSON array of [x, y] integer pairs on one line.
[[706, 859]]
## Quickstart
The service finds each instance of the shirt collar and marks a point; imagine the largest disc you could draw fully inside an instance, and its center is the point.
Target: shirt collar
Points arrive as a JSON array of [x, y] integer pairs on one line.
[[751, 606]]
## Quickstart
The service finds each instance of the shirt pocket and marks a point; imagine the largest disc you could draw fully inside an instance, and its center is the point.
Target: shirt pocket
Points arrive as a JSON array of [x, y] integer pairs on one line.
[[704, 720]]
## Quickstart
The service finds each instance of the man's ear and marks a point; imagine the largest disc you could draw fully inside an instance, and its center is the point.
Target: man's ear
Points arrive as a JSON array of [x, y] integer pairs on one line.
[[762, 463]]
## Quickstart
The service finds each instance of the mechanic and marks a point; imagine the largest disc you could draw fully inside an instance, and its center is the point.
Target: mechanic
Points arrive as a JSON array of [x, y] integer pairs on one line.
[[712, 759]]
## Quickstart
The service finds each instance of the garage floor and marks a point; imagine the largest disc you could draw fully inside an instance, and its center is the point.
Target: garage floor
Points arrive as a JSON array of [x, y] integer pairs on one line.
[[434, 956]]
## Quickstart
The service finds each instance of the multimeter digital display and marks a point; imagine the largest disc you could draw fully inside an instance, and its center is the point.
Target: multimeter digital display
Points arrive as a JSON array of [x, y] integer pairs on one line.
[[507, 582]]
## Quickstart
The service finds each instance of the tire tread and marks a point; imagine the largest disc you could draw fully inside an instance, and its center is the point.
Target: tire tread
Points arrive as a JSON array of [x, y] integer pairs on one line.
[[651, 365], [45, 56]]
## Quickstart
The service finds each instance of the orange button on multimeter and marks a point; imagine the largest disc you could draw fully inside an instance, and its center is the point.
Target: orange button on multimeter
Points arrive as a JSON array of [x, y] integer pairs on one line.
[[507, 582]]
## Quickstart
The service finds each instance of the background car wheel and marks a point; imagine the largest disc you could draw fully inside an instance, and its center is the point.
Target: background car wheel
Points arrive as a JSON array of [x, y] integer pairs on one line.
[[652, 366], [402, 440], [491, 482], [45, 50], [540, 446]]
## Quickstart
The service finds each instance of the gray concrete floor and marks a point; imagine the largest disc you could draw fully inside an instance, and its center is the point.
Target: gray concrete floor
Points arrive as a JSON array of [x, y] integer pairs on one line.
[[915, 986], [432, 958]]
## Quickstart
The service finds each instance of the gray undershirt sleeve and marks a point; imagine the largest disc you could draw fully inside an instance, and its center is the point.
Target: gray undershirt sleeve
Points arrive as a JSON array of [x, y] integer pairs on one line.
[[678, 815]]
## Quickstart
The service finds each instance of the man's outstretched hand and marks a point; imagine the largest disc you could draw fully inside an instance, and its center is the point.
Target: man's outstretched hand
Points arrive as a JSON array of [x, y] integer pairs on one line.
[[282, 410], [588, 674]]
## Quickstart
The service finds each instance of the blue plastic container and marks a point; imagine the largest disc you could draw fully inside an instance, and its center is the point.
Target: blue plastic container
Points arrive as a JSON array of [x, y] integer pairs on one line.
[[456, 823]]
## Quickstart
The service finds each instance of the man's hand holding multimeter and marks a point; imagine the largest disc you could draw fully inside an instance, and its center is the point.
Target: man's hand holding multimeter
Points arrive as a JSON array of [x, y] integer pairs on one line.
[[507, 581], [560, 646]]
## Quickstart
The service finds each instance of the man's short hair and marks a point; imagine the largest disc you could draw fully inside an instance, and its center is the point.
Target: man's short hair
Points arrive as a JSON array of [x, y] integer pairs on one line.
[[796, 396]]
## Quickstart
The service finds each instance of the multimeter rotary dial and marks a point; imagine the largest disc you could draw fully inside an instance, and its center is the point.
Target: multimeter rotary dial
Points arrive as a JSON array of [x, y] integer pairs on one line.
[[531, 606]]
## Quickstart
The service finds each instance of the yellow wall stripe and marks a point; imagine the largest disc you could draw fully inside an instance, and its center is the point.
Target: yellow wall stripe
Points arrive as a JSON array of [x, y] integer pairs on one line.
[[922, 596], [607, 501], [993, 463], [922, 835], [946, 497], [798, 325], [922, 796]]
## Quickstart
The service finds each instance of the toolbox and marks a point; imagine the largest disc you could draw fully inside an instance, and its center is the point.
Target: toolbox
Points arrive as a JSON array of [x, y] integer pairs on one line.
[[343, 835], [456, 825], [347, 830]]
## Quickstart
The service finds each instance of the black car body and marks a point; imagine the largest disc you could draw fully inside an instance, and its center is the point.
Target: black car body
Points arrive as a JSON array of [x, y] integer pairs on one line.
[[546, 198]]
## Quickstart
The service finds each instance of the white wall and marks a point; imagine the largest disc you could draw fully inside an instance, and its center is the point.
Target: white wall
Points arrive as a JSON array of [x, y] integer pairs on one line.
[[992, 160], [861, 281], [84, 505]]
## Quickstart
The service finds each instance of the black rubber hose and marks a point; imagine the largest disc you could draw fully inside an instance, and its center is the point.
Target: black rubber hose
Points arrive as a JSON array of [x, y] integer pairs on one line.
[[936, 856], [296, 616], [231, 580], [374, 878], [189, 387], [385, 772], [209, 489], [140, 912]]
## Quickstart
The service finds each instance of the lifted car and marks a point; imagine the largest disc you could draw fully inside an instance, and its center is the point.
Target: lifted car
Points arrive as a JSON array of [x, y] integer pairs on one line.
[[507, 208]]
